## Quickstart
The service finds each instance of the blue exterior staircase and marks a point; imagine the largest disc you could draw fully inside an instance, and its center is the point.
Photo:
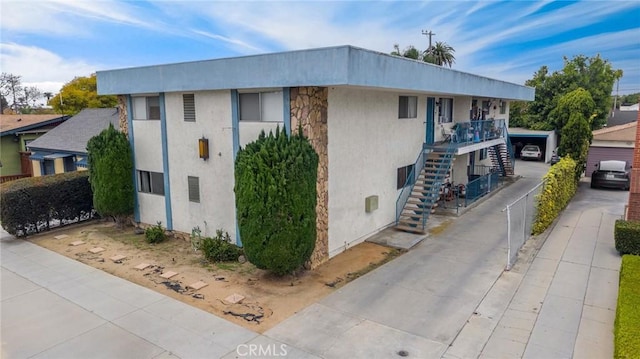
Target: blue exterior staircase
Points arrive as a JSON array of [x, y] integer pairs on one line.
[[419, 197]]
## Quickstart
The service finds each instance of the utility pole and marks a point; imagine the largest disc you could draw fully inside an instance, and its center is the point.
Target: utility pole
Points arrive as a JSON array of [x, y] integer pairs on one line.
[[430, 34]]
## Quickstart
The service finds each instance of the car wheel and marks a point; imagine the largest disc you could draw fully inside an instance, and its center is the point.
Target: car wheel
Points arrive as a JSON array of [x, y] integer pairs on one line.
[[592, 185]]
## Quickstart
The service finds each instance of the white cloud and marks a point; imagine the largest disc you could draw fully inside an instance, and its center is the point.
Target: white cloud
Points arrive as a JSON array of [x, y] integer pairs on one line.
[[40, 67]]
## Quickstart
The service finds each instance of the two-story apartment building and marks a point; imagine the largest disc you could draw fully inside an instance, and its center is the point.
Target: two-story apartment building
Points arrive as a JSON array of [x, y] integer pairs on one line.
[[369, 115]]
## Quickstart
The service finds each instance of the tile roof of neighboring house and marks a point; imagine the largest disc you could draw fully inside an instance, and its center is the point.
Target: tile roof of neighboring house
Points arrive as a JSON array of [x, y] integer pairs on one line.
[[10, 124], [73, 135], [622, 117], [626, 132]]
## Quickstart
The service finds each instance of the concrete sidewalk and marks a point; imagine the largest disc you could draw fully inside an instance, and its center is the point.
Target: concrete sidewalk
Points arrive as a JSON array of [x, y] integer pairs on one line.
[[446, 298]]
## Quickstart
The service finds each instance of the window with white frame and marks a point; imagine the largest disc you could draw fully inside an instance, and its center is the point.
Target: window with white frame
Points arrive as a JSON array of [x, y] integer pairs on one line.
[[408, 107], [146, 108], [261, 106], [151, 182], [445, 114], [189, 107], [483, 154], [194, 188]]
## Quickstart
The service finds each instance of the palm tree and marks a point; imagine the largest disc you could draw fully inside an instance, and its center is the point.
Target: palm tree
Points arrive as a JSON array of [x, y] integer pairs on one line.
[[440, 54]]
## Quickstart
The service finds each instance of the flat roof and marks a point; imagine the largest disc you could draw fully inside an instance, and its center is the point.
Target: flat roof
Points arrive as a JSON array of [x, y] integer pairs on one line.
[[330, 66], [525, 132]]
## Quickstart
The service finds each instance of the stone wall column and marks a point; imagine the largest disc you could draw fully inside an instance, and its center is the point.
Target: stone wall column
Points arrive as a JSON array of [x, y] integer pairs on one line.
[[122, 114], [309, 110]]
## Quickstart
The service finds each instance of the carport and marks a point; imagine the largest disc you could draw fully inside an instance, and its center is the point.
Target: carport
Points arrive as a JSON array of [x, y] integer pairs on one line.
[[546, 140]]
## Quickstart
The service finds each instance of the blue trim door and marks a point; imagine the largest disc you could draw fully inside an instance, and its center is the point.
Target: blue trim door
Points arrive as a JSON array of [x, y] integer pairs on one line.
[[430, 123]]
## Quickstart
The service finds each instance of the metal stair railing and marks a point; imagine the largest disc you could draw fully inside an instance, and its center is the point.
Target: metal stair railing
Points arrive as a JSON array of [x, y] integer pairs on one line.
[[409, 183], [439, 174], [512, 156]]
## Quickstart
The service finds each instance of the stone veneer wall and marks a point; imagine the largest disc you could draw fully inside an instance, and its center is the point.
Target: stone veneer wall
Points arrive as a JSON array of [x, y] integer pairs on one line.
[[309, 110], [122, 114]]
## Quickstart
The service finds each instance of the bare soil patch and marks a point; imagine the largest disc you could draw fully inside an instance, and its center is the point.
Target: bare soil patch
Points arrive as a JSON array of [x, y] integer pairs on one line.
[[268, 299]]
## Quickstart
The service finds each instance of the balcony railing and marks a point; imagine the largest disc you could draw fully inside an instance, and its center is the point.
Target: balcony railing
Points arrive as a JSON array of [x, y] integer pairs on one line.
[[476, 131]]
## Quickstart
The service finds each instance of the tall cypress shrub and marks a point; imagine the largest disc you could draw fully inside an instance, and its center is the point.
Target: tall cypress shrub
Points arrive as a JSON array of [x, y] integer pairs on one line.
[[110, 168], [275, 188]]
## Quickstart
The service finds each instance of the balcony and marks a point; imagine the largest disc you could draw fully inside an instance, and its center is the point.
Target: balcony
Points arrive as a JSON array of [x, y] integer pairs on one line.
[[471, 136]]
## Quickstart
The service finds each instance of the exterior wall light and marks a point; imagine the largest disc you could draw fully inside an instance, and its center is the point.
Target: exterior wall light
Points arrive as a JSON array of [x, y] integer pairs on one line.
[[203, 148]]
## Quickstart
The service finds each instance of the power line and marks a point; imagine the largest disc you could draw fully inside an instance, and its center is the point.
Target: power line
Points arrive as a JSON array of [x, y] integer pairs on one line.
[[430, 34]]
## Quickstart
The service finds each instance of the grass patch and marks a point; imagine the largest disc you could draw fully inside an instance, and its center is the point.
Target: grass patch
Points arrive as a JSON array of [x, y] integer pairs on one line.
[[627, 325], [390, 255], [230, 266]]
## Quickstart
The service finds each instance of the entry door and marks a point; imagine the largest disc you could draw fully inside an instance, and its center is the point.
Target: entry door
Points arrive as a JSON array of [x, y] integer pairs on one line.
[[430, 124]]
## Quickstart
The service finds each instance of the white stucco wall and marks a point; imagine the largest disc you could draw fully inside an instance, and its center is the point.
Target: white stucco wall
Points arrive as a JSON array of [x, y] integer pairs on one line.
[[216, 209], [148, 155], [367, 144]]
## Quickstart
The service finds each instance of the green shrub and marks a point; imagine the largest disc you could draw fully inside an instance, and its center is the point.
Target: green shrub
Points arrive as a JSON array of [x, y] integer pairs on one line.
[[627, 325], [627, 237], [30, 204], [110, 169], [559, 187], [276, 201], [155, 234], [219, 248]]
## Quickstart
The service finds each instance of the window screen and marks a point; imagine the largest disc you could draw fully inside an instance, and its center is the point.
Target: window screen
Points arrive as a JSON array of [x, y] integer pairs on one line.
[[249, 107]]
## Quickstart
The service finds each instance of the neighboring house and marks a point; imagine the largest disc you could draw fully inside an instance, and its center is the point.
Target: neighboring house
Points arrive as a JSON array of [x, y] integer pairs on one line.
[[368, 115], [619, 117], [611, 143], [632, 107], [16, 132], [64, 148]]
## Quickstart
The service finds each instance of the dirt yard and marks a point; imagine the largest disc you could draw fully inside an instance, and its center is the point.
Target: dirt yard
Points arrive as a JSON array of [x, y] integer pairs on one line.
[[267, 299]]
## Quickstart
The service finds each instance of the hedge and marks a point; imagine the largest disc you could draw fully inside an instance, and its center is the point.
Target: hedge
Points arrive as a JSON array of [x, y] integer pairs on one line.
[[276, 201], [627, 237], [30, 204], [559, 187], [627, 325]]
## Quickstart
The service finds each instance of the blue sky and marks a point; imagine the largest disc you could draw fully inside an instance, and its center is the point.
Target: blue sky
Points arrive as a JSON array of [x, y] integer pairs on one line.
[[48, 43]]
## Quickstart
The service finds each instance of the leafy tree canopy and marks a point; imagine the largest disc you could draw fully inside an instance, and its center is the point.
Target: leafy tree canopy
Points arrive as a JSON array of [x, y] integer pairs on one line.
[[576, 101], [80, 93], [593, 74]]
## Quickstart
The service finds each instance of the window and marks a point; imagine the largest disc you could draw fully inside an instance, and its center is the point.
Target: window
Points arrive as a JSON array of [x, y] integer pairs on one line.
[[49, 167], [483, 154], [146, 108], [189, 107], [261, 106], [151, 182], [503, 107], [194, 188], [403, 174], [445, 110], [69, 164], [408, 107]]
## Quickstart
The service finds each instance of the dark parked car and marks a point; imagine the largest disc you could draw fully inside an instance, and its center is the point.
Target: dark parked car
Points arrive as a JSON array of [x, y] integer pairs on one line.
[[612, 174]]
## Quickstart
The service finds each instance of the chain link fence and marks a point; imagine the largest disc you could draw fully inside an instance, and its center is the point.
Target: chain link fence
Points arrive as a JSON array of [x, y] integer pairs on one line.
[[520, 216]]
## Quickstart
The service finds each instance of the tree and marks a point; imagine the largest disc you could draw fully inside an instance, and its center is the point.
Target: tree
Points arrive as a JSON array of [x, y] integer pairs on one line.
[[593, 74], [575, 140], [275, 187], [110, 168], [576, 101], [440, 54], [10, 88], [78, 94]]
